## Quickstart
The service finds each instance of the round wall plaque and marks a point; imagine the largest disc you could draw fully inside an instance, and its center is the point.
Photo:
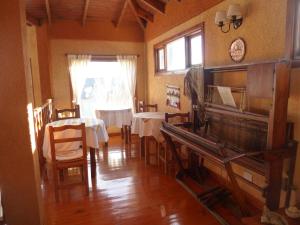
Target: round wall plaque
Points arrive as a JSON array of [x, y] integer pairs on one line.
[[237, 50]]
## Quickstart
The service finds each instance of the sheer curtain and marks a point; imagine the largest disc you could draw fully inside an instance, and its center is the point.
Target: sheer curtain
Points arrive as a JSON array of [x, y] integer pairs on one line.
[[102, 85], [78, 65], [128, 68]]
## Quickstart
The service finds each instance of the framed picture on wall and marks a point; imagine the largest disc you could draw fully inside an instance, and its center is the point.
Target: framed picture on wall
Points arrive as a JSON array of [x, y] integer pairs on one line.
[[173, 96]]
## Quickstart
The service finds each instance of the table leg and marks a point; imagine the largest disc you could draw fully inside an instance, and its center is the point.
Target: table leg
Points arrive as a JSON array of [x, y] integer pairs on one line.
[[122, 132], [129, 134], [126, 134], [93, 162], [142, 146]]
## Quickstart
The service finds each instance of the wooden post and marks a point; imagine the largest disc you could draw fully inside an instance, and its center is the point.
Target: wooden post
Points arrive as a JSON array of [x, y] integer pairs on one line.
[[277, 133]]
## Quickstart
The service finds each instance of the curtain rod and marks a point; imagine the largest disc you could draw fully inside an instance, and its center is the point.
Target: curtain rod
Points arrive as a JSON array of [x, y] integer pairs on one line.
[[93, 55]]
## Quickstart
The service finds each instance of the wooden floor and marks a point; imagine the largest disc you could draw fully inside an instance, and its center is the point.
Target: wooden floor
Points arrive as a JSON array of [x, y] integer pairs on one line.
[[125, 192]]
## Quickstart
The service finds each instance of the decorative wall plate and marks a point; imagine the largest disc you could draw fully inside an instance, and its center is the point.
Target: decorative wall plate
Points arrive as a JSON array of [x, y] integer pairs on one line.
[[237, 50]]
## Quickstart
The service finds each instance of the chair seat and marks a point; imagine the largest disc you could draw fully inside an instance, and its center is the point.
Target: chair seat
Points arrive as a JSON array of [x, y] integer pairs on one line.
[[69, 155]]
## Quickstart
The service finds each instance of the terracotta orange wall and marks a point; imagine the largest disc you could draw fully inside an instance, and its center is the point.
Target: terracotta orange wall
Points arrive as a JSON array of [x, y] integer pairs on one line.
[[18, 172], [96, 31], [177, 12], [34, 65], [44, 61], [265, 40]]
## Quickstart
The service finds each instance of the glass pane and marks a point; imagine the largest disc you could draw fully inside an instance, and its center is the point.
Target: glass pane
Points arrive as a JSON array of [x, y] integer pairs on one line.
[[161, 57], [196, 50], [176, 55]]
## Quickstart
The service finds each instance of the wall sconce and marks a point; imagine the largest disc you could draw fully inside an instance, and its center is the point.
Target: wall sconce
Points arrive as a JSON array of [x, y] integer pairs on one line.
[[234, 17]]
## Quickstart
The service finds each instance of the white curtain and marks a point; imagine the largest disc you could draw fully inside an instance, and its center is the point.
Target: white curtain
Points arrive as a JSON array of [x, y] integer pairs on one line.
[[78, 65], [128, 65]]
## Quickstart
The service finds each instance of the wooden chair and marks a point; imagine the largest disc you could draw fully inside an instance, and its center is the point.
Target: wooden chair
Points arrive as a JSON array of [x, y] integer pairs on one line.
[[164, 155], [62, 160], [61, 114], [142, 107]]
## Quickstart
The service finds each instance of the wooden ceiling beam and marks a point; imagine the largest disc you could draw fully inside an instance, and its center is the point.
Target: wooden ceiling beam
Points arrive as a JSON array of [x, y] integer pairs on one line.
[[142, 12], [156, 5], [85, 12], [48, 11], [117, 23], [140, 22]]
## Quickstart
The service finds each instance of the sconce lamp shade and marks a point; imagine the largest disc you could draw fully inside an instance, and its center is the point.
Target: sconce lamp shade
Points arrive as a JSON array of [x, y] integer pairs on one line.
[[220, 18], [234, 11]]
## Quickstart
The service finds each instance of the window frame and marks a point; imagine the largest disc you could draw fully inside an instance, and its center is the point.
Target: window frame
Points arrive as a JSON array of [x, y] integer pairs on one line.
[[187, 35]]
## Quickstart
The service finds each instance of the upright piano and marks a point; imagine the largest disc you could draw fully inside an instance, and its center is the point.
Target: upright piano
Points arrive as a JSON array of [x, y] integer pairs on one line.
[[242, 127]]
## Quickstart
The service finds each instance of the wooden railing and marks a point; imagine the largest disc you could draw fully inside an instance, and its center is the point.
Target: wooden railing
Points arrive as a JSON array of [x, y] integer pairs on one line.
[[42, 116]]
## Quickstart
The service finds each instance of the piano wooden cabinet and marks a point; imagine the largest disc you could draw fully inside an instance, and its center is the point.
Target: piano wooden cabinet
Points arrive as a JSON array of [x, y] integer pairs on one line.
[[255, 134]]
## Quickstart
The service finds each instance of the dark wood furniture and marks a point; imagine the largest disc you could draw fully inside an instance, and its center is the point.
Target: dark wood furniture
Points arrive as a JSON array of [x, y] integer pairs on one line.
[[142, 107], [164, 155], [69, 159], [42, 115], [256, 137], [61, 114]]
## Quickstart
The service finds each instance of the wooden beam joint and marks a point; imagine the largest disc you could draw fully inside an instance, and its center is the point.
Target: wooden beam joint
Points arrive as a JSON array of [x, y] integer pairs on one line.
[[85, 11], [48, 11], [156, 5]]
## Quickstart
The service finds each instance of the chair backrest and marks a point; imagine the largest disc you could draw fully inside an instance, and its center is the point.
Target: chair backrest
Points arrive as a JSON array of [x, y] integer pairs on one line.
[[177, 117], [61, 114], [79, 138], [142, 107]]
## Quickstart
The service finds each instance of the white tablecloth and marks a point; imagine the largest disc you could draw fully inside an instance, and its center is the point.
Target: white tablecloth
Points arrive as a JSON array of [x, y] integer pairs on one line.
[[147, 124], [95, 133], [115, 117]]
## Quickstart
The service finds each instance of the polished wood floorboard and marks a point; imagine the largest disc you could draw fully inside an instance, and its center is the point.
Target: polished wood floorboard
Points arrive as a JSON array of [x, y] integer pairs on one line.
[[124, 192]]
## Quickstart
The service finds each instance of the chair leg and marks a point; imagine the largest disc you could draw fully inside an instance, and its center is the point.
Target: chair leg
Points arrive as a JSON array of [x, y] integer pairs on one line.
[[86, 178], [61, 174], [166, 160], [55, 179]]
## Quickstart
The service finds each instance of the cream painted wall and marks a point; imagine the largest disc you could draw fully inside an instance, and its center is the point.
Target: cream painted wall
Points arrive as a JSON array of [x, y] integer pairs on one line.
[[264, 32], [60, 81], [34, 65]]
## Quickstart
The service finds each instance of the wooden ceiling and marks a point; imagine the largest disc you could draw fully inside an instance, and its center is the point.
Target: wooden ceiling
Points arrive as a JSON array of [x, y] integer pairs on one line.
[[116, 11]]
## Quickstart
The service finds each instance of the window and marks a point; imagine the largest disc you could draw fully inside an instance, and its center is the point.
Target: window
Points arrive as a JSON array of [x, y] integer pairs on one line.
[[180, 52], [176, 55], [103, 88]]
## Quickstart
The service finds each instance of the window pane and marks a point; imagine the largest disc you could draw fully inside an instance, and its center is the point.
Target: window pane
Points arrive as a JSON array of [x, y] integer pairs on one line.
[[176, 54], [161, 57], [196, 50]]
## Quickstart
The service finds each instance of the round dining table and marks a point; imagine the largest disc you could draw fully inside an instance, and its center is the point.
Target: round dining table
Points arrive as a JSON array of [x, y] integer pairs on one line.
[[147, 125]]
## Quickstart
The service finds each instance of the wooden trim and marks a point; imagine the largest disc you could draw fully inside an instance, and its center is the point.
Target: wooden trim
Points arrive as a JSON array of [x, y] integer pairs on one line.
[[155, 5], [190, 31], [48, 11], [187, 34], [117, 23], [289, 41], [85, 11]]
